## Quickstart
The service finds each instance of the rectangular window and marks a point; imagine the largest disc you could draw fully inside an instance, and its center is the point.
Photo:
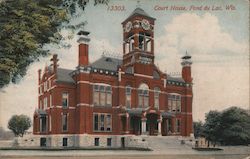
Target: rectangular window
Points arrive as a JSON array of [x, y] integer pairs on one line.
[[109, 141], [140, 102], [96, 95], [178, 106], [128, 97], [43, 142], [45, 86], [45, 103], [65, 122], [128, 101], [41, 89], [156, 97], [96, 122], [41, 104], [96, 98], [50, 123], [108, 122], [50, 100], [156, 102], [102, 98], [174, 103], [109, 99], [169, 103], [109, 96], [65, 141], [102, 122], [102, 95], [65, 99], [49, 84], [145, 101], [96, 141]]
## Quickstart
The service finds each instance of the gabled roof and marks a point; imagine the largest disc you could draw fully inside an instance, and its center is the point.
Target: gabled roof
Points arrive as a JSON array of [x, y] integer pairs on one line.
[[107, 63], [139, 11], [63, 75]]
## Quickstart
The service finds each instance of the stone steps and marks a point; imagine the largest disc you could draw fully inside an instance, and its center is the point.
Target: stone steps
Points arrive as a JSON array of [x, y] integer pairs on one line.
[[161, 143]]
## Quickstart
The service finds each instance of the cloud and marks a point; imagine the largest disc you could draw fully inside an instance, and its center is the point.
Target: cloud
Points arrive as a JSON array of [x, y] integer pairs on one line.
[[203, 37], [220, 63]]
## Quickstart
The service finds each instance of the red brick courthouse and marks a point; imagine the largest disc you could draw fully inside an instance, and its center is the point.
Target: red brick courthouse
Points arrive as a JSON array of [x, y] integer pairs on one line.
[[100, 103]]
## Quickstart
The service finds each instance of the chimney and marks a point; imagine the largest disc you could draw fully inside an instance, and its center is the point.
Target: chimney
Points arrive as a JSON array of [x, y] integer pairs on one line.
[[186, 68], [39, 76], [54, 60], [83, 48]]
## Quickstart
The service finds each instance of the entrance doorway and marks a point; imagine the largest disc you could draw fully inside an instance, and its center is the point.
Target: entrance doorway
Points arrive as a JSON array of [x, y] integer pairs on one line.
[[152, 124], [135, 125]]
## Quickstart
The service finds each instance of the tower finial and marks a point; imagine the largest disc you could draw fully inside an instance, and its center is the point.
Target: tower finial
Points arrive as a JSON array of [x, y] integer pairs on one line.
[[138, 5]]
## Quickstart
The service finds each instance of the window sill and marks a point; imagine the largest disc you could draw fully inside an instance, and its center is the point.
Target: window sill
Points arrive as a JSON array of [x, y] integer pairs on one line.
[[103, 106], [98, 131], [65, 131]]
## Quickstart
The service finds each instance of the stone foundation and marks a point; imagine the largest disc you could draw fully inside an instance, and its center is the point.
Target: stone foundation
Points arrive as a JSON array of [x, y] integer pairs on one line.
[[82, 141]]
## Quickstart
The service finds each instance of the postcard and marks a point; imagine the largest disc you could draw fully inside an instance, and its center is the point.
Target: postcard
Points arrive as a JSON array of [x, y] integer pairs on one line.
[[112, 78]]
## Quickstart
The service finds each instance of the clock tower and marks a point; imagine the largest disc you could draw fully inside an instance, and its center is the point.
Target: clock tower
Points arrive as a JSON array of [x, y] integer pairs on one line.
[[138, 42]]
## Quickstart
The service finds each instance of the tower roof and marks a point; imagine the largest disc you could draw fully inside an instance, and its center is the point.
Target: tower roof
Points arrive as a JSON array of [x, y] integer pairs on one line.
[[139, 11], [186, 56]]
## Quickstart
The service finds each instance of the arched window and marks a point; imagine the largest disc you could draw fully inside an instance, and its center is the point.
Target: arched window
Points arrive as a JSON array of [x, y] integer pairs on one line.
[[143, 95], [102, 95], [157, 92], [128, 96], [174, 102]]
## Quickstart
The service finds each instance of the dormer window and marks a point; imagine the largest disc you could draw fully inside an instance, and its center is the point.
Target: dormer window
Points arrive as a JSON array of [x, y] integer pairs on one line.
[[108, 59]]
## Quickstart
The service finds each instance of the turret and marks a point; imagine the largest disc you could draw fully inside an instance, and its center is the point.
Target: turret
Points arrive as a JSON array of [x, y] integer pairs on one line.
[[54, 60], [39, 75], [186, 68], [83, 48]]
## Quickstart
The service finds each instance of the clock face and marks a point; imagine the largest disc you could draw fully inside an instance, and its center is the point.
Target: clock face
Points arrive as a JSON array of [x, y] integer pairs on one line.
[[145, 24], [128, 26]]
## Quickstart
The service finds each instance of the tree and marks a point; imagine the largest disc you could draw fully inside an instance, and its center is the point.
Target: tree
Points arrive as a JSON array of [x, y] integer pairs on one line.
[[229, 127], [19, 124], [26, 26], [198, 129], [236, 126], [212, 126]]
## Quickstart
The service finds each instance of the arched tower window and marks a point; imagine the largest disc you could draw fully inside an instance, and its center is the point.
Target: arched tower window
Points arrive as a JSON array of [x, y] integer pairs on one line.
[[143, 94], [157, 92], [131, 44]]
